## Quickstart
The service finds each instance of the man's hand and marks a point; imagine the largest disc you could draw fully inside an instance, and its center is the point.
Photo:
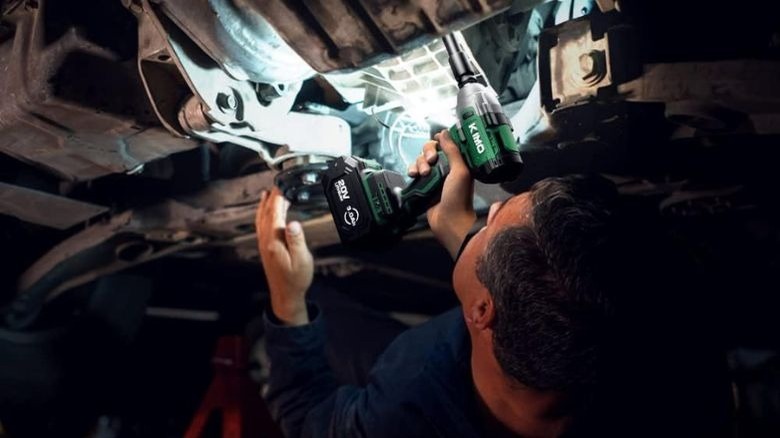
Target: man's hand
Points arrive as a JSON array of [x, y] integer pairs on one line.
[[287, 261], [452, 218]]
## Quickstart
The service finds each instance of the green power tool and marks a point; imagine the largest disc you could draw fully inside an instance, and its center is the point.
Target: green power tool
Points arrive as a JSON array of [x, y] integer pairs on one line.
[[483, 132], [372, 206]]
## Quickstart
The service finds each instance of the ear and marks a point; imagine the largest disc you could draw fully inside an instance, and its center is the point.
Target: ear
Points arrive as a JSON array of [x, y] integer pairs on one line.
[[482, 312]]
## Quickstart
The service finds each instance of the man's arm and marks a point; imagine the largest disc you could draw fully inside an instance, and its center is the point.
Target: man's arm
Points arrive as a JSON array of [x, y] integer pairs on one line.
[[303, 395], [307, 402], [452, 218], [300, 377]]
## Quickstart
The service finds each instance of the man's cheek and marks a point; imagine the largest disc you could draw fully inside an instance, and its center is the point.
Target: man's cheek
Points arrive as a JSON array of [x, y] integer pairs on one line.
[[464, 275], [458, 285]]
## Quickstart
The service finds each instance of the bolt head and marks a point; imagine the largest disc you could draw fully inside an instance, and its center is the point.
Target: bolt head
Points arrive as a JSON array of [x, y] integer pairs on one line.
[[310, 178], [227, 102], [231, 101], [587, 63]]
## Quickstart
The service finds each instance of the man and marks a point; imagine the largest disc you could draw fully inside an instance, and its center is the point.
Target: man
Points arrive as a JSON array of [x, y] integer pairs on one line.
[[521, 356]]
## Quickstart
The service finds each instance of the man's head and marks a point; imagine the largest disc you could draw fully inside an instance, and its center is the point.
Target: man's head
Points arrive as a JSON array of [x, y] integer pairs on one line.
[[530, 286]]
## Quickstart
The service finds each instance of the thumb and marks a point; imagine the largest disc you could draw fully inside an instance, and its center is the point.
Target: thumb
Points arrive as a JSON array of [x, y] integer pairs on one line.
[[457, 163], [296, 241]]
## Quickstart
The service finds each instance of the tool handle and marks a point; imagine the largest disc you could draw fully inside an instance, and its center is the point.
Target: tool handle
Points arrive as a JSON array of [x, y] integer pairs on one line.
[[425, 191]]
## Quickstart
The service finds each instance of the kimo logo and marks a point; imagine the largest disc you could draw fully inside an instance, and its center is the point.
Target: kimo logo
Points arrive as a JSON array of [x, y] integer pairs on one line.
[[474, 131], [341, 189], [351, 216]]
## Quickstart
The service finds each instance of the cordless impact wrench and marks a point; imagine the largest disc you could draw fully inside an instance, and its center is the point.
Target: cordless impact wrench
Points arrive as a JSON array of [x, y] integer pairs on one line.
[[372, 206]]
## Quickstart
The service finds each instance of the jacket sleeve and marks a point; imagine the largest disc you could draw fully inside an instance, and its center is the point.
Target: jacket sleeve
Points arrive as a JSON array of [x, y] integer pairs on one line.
[[305, 399], [299, 375]]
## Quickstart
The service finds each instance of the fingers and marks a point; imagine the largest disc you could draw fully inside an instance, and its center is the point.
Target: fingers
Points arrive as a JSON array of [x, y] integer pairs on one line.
[[296, 244], [428, 157], [272, 213], [279, 209], [429, 151], [457, 164], [270, 224], [259, 213], [276, 209], [419, 167], [423, 168]]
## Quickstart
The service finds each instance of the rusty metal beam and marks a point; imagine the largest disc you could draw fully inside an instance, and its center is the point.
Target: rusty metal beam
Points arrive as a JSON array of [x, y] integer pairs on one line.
[[44, 208]]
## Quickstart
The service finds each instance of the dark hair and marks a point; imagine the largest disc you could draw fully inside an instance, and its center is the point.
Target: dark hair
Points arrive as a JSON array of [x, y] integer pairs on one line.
[[551, 302]]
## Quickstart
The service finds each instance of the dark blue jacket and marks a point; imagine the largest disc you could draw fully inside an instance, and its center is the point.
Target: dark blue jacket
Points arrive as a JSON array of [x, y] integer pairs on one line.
[[421, 385]]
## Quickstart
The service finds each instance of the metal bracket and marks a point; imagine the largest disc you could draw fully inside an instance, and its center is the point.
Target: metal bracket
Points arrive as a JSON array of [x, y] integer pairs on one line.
[[193, 96]]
